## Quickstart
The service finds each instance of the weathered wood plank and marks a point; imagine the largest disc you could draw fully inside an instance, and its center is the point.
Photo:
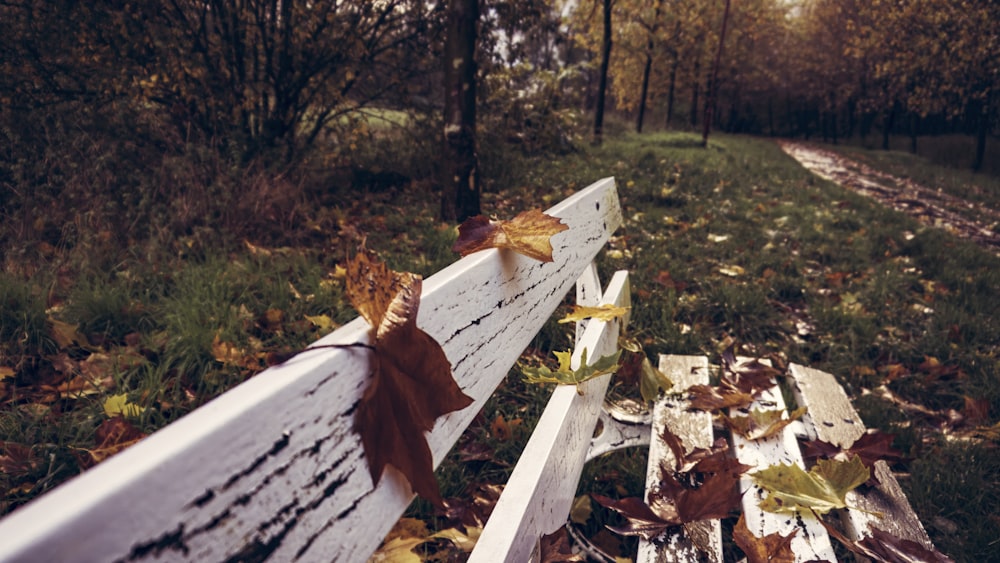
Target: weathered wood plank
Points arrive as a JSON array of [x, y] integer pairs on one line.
[[541, 488], [833, 419], [811, 542], [272, 470], [701, 541]]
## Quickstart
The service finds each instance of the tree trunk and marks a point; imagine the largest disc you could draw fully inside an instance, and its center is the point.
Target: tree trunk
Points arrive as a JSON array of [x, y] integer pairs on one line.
[[670, 90], [649, 65], [645, 88], [602, 86], [982, 131], [713, 86], [887, 126], [695, 87], [914, 130], [460, 164]]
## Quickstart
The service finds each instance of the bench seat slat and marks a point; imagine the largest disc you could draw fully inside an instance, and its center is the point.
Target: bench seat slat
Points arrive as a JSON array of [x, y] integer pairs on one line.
[[700, 541], [273, 468], [811, 542], [833, 419]]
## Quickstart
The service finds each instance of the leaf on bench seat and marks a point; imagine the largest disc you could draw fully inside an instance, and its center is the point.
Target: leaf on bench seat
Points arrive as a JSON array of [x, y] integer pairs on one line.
[[528, 233], [411, 384], [710, 398], [883, 546], [824, 488], [762, 424], [772, 548]]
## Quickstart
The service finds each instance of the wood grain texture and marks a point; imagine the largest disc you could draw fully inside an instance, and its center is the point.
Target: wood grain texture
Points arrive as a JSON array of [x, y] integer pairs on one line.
[[700, 541], [540, 491], [272, 470]]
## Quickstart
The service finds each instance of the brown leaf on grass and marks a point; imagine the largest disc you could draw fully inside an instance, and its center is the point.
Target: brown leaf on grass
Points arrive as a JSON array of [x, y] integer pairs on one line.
[[111, 437], [17, 459], [528, 233], [503, 429], [762, 424], [975, 411], [555, 548], [772, 548], [883, 546], [411, 384], [472, 509]]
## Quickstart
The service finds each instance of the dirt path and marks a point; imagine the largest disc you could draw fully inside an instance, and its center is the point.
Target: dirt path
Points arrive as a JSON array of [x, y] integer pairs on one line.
[[930, 206]]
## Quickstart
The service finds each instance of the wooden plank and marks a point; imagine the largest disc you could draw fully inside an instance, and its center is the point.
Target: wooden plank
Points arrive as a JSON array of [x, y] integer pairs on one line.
[[811, 542], [541, 488], [832, 418], [700, 541], [272, 470]]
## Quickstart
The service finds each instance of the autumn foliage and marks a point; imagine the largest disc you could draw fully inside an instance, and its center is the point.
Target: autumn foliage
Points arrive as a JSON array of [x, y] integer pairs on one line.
[[411, 382]]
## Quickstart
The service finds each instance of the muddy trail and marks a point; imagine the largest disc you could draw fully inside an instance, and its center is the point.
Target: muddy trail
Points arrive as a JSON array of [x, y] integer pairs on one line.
[[928, 205]]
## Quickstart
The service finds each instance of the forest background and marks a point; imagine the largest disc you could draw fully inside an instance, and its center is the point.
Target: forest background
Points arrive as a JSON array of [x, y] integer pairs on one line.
[[163, 161]]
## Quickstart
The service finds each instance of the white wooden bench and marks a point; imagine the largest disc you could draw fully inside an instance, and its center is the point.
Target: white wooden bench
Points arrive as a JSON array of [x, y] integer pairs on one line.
[[273, 470]]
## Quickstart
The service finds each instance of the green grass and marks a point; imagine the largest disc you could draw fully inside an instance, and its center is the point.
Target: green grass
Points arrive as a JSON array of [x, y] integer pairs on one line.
[[731, 243]]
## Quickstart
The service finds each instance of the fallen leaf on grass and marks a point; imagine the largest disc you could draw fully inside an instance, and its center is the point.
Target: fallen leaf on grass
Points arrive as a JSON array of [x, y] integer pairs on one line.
[[412, 383], [322, 322], [606, 312], [17, 459], [119, 405], [821, 490], [565, 375], [555, 548], [111, 437], [529, 233], [762, 424], [6, 372], [772, 548], [503, 429], [464, 541], [66, 335]]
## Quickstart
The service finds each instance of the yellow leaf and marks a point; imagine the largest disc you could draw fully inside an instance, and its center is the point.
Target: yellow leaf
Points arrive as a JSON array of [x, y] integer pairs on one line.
[[732, 271], [6, 372], [602, 313], [465, 542], [323, 322], [580, 512], [397, 550], [822, 489], [118, 405]]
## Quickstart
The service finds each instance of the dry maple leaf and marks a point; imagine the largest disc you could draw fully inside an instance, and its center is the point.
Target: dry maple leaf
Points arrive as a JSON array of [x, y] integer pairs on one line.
[[528, 233], [821, 490], [883, 546], [411, 384], [772, 548], [709, 398], [872, 446], [606, 312], [762, 424]]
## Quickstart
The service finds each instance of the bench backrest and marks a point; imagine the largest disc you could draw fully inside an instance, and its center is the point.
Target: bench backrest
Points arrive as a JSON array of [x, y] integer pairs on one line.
[[273, 469]]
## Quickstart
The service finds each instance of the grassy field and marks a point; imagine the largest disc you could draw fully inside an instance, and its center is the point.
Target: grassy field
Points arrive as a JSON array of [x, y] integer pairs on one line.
[[733, 244]]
